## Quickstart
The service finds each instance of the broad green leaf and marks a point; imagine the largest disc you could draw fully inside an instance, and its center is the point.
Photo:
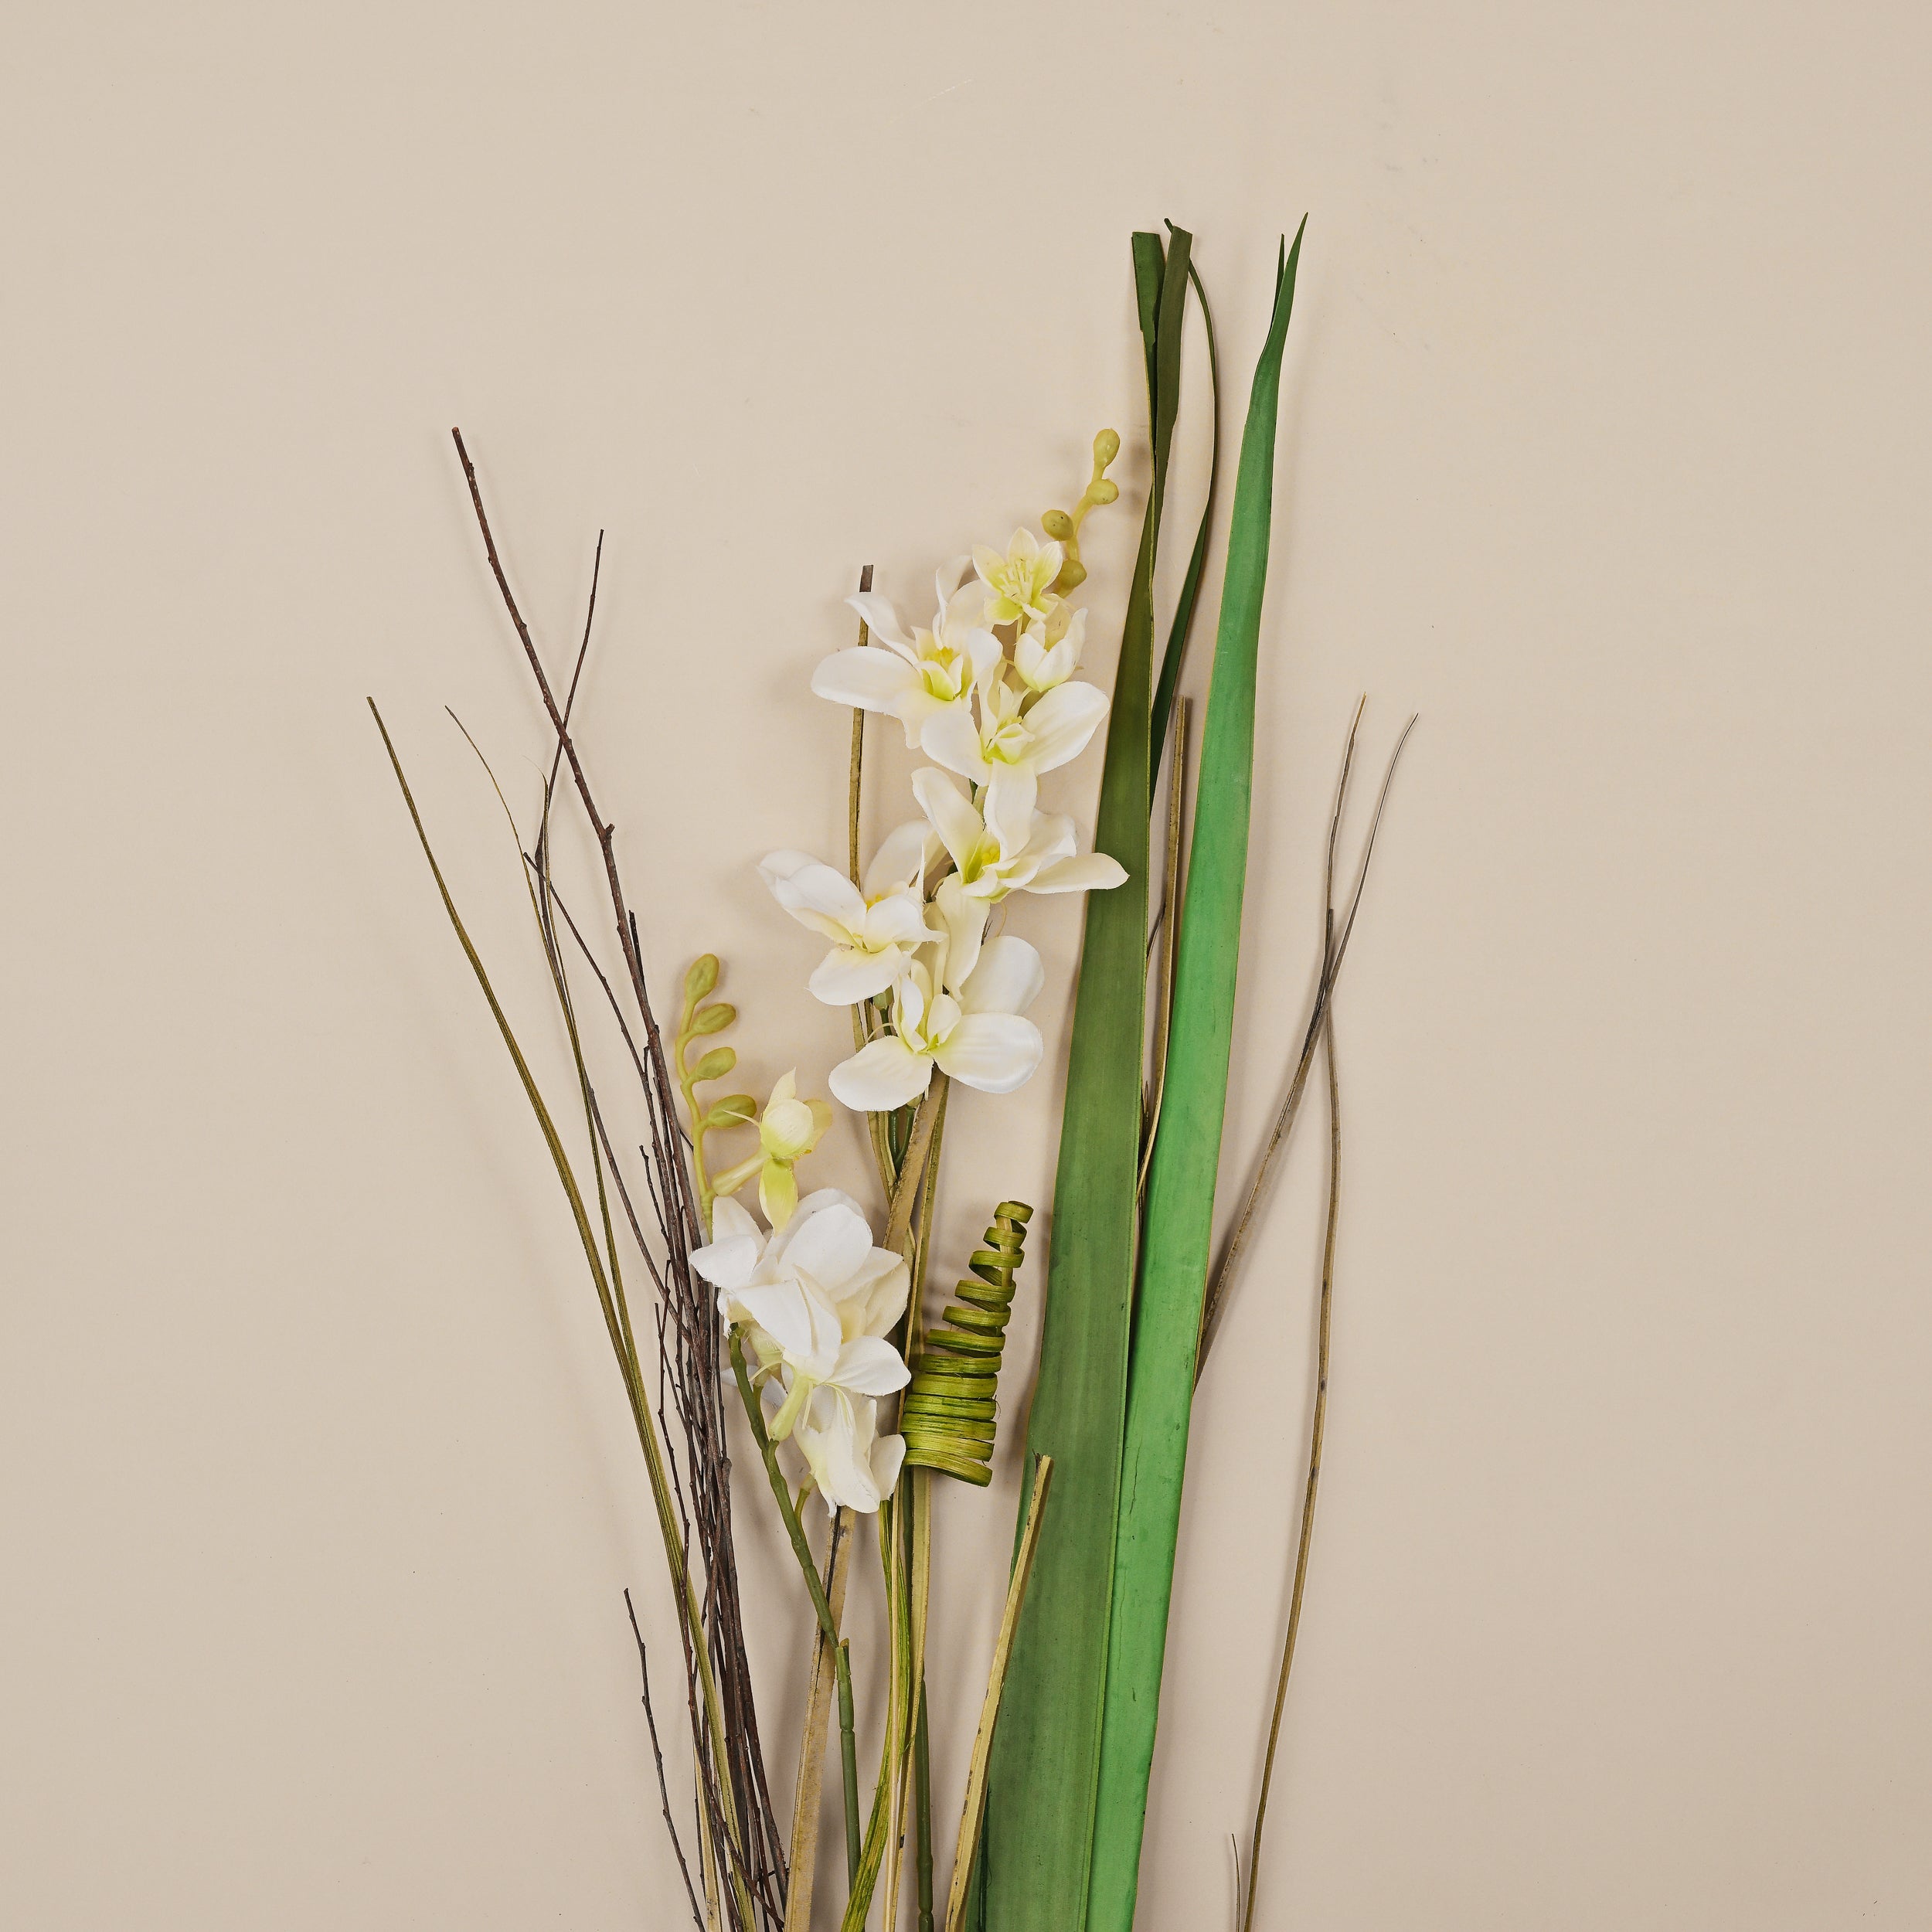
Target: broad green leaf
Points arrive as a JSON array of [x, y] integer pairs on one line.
[[1180, 1196], [1044, 1766]]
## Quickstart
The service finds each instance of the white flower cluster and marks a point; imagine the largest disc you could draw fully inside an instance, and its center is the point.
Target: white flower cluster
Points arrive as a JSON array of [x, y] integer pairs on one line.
[[994, 710], [816, 1300], [988, 692]]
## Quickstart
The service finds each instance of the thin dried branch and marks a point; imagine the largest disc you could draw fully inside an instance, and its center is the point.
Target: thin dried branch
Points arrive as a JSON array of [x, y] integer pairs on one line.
[[1335, 949], [656, 1753], [1317, 1430], [739, 1831]]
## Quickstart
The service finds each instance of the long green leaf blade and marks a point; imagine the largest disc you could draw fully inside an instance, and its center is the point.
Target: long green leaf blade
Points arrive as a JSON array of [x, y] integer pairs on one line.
[[1177, 636], [1180, 1202], [1042, 1791]]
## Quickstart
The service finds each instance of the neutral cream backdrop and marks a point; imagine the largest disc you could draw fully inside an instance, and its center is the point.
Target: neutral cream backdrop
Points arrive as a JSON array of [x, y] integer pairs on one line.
[[1605, 442]]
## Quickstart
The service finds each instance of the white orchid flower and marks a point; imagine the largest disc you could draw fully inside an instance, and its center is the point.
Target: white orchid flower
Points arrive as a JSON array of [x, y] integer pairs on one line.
[[1021, 583], [994, 859], [958, 1008], [1013, 741], [788, 1129], [854, 1466], [874, 929], [817, 1298], [1046, 655], [914, 677]]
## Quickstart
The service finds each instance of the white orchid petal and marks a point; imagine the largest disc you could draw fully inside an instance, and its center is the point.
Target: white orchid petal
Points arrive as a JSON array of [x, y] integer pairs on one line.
[[822, 890], [1011, 794], [875, 610], [888, 1457], [885, 1074], [899, 919], [830, 1247], [1010, 815], [884, 1294], [1007, 978], [959, 826], [1052, 837], [909, 998], [1029, 656], [1062, 722], [1092, 872], [870, 1366], [786, 1313], [846, 975], [982, 647], [729, 1220], [729, 1263], [874, 681], [949, 736], [993, 1052], [816, 1203], [842, 1465], [901, 859], [776, 866], [964, 918]]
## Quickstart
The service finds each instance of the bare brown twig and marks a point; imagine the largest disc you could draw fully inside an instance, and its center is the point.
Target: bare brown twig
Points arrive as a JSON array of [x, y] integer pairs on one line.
[[737, 1825]]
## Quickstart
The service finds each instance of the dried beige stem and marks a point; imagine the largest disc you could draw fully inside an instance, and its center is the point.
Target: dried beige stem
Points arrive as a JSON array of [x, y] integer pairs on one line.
[[812, 1752]]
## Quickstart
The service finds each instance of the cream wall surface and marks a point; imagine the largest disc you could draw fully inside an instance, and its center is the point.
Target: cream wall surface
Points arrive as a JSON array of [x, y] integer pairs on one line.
[[1604, 446]]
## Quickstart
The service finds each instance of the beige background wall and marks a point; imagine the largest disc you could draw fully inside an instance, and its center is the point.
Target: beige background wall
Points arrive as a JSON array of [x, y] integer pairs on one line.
[[1605, 447]]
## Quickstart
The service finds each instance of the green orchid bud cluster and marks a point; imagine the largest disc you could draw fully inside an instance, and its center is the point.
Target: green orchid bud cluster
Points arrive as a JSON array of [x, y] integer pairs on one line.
[[697, 1021], [951, 1414], [788, 1129], [1064, 526]]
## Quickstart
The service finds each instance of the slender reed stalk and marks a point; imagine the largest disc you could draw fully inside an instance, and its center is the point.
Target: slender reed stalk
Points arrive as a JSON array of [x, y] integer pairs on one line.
[[601, 1264], [1317, 1429], [1330, 972], [923, 1814], [805, 1819], [973, 1811]]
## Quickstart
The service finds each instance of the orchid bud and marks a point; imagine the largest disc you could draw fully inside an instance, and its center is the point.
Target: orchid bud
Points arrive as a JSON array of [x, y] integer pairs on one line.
[[702, 976]]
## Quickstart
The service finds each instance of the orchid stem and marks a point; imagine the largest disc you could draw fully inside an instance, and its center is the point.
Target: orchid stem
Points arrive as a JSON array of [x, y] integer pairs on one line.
[[849, 1757], [780, 1489], [821, 1603]]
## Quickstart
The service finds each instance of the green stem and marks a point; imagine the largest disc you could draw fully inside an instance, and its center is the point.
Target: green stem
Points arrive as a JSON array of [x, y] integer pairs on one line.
[[821, 1604], [848, 1755], [780, 1489], [923, 1811], [880, 1825]]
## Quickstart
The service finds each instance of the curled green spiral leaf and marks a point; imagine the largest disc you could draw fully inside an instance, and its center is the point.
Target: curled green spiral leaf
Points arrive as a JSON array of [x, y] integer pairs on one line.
[[951, 1413]]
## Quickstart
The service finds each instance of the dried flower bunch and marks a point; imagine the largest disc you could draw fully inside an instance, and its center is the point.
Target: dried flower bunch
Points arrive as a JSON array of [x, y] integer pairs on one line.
[[809, 1315]]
